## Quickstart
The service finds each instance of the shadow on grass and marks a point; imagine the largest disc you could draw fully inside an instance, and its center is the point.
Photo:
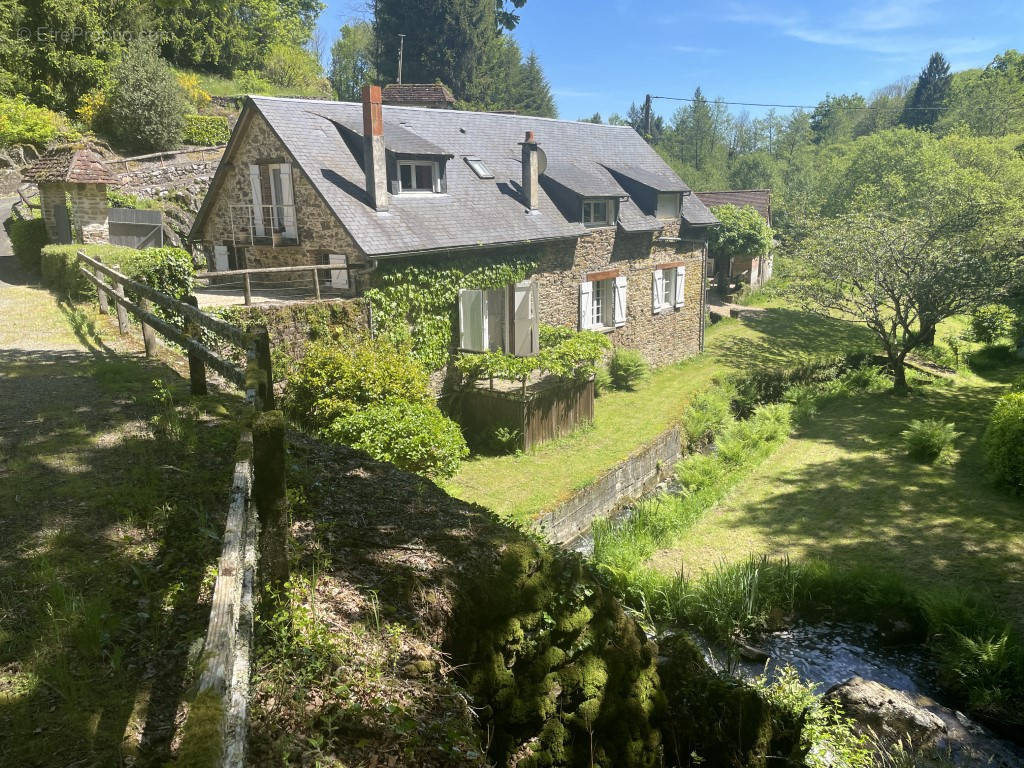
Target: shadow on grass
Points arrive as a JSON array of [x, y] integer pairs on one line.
[[788, 335], [941, 526], [109, 529]]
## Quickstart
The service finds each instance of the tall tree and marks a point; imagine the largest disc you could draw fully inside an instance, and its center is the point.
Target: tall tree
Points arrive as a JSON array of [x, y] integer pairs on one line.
[[925, 102], [352, 60], [505, 12], [445, 40], [836, 118], [699, 131]]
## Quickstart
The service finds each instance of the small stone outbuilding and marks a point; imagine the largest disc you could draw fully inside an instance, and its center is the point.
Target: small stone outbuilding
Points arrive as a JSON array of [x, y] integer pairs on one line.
[[72, 181], [755, 268]]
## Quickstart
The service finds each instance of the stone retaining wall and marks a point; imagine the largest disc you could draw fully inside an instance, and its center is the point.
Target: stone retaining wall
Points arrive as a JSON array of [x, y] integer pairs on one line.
[[628, 480]]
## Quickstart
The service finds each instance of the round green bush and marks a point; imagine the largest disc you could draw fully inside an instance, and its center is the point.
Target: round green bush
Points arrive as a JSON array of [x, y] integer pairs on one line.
[[415, 437], [992, 322], [336, 378], [1003, 441], [928, 440], [627, 368]]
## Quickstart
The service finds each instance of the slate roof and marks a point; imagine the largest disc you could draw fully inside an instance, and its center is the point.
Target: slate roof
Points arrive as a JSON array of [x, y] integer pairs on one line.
[[585, 178], [396, 138], [416, 94], [696, 213], [473, 212], [70, 164], [759, 199]]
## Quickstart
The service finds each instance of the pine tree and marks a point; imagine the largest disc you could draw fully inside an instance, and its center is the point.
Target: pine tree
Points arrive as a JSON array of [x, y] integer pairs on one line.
[[929, 94]]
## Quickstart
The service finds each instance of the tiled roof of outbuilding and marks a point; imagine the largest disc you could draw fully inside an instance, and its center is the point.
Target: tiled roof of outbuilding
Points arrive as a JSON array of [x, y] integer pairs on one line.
[[414, 94], [70, 164], [758, 199], [473, 212]]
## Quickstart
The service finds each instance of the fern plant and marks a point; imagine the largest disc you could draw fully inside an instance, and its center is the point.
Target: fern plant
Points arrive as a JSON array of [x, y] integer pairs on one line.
[[930, 440]]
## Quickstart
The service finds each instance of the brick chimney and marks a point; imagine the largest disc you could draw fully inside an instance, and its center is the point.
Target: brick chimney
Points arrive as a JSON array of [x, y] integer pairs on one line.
[[531, 171], [374, 162]]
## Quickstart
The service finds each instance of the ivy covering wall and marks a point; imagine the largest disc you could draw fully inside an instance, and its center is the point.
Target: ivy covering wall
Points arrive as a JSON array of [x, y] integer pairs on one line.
[[417, 304]]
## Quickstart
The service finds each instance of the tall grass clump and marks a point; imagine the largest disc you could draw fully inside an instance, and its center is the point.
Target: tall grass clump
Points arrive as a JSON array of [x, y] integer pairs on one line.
[[930, 440]]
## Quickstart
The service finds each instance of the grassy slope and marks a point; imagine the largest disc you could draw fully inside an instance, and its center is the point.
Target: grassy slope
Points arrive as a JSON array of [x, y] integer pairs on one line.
[[216, 85], [524, 486], [106, 555], [843, 489]]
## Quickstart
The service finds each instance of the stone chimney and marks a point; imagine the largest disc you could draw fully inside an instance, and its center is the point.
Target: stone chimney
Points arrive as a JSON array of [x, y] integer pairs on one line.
[[531, 171], [374, 162]]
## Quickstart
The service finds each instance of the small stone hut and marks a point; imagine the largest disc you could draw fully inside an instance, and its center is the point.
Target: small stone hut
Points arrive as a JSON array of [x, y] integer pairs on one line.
[[75, 175]]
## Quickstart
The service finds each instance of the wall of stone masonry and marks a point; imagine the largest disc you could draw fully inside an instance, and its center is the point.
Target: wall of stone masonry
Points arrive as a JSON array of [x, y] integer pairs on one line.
[[662, 338], [89, 213], [51, 196], [319, 232]]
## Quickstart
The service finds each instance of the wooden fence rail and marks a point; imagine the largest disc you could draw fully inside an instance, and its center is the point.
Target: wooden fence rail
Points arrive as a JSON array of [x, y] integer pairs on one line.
[[246, 275], [256, 379]]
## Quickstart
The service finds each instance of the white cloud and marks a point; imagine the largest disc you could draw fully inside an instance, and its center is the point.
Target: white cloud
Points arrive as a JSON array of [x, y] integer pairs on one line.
[[905, 29], [698, 49]]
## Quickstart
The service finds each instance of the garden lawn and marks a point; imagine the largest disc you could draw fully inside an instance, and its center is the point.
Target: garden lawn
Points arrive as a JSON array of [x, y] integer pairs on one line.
[[843, 489], [524, 486]]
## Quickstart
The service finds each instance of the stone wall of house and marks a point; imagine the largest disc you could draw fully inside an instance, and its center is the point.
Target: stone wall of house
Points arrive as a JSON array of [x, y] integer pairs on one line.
[[662, 338], [51, 196], [319, 232], [89, 213]]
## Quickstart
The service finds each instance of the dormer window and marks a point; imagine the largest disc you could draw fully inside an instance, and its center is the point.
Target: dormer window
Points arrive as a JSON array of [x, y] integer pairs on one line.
[[598, 212], [419, 176], [668, 205]]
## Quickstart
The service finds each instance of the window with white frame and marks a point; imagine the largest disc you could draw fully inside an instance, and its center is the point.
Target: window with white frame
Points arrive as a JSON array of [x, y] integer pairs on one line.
[[598, 212], [419, 176], [668, 288], [506, 319], [273, 208], [603, 303]]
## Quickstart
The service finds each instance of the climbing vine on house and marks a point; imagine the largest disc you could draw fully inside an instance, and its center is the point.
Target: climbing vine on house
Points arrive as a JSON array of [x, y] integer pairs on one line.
[[416, 305], [566, 353]]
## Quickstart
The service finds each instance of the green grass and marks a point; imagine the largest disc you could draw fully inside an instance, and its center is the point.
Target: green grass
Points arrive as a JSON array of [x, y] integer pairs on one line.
[[522, 487], [218, 85], [843, 489], [111, 507]]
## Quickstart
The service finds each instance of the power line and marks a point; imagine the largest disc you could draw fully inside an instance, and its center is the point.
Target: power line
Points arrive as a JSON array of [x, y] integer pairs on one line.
[[787, 106]]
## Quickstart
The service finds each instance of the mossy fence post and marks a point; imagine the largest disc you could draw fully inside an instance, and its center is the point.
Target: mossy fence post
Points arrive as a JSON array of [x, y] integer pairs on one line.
[[196, 366], [268, 493]]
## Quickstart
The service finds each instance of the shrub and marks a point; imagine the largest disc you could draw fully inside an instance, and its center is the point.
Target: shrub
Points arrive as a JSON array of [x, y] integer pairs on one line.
[[118, 199], [602, 380], [193, 90], [929, 440], [296, 69], [707, 414], [59, 268], [1003, 441], [627, 368], [415, 437], [205, 130], [24, 123], [335, 379], [505, 440], [168, 270], [145, 107], [90, 106], [248, 81], [992, 322], [28, 236]]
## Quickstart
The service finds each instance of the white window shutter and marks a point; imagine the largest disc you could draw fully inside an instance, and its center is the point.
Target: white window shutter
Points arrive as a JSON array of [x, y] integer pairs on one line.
[[257, 201], [339, 277], [586, 303], [620, 301], [472, 321], [657, 290], [220, 258], [524, 317], [680, 286], [287, 201]]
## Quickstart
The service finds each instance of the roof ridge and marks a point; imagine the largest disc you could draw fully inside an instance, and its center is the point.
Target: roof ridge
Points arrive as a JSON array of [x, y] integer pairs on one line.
[[721, 191], [445, 111]]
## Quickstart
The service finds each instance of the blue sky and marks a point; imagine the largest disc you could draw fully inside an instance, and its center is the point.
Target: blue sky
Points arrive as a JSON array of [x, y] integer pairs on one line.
[[602, 54]]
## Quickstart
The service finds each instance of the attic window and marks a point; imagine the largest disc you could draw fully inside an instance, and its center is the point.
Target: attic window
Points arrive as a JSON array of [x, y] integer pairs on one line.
[[481, 170], [598, 212], [668, 205], [418, 176]]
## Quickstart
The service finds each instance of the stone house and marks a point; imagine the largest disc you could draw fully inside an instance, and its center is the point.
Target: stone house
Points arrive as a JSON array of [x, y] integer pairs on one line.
[[619, 240], [756, 268]]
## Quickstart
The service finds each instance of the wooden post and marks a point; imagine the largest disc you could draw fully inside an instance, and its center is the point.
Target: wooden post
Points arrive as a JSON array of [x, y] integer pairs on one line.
[[248, 289], [148, 334], [196, 366], [122, 313], [101, 294], [269, 496], [262, 338], [316, 284]]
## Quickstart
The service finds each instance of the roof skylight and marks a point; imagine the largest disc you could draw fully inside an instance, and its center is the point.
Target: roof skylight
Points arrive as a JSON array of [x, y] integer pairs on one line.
[[481, 170]]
